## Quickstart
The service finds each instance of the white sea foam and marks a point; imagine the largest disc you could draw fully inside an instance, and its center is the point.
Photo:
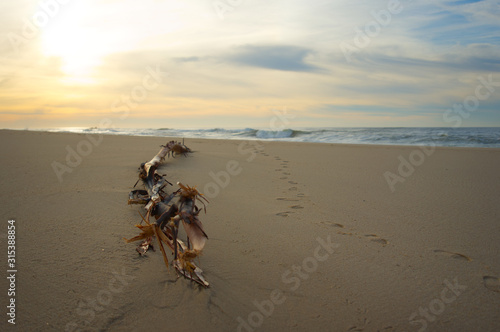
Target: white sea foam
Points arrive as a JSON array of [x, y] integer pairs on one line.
[[464, 137]]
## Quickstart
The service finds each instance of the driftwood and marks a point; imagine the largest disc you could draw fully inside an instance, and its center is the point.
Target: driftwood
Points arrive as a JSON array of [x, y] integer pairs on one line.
[[169, 210]]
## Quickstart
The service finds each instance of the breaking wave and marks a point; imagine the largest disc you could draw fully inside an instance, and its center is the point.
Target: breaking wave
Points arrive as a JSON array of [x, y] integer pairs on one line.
[[464, 137]]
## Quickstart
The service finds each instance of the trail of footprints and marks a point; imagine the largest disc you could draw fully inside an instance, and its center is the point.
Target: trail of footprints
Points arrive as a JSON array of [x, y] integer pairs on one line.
[[372, 237], [294, 196], [292, 193], [490, 282]]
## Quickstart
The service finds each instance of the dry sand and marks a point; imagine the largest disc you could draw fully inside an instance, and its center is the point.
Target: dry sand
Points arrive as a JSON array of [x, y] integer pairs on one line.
[[424, 257]]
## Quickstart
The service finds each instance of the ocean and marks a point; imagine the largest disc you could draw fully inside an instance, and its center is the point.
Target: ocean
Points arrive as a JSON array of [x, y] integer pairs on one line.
[[485, 137]]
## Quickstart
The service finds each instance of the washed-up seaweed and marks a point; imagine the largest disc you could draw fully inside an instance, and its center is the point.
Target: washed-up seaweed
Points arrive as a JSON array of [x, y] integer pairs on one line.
[[169, 210]]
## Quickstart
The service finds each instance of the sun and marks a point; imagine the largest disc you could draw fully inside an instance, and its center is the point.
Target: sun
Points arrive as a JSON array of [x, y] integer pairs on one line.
[[86, 32], [78, 45]]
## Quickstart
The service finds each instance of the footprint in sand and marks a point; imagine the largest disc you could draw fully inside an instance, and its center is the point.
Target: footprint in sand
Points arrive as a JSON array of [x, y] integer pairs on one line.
[[283, 177], [285, 173], [292, 182], [492, 283], [455, 255], [297, 207], [377, 239], [278, 169], [381, 241], [287, 199], [283, 214], [331, 224], [293, 189]]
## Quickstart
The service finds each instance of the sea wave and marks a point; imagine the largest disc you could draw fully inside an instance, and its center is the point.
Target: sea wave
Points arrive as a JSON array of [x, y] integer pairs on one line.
[[271, 134], [465, 137]]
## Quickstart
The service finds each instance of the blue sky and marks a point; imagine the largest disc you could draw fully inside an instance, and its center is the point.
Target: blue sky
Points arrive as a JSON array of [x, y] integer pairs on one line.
[[231, 63]]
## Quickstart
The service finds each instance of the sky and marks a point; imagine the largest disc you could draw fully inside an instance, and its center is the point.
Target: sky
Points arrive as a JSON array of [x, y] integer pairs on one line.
[[235, 63]]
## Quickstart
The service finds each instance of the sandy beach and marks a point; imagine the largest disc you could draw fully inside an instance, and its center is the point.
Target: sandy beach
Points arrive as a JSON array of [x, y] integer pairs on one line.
[[302, 237]]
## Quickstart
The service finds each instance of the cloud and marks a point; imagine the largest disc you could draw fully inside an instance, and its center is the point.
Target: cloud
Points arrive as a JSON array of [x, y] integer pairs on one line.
[[277, 57], [464, 2], [456, 22], [188, 59], [459, 63], [261, 56]]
